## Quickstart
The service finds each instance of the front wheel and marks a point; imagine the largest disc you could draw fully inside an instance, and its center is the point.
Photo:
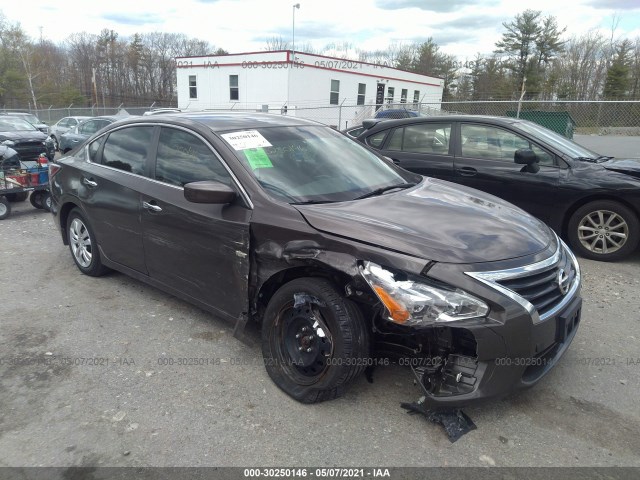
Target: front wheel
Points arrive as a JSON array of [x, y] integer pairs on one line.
[[604, 230], [83, 245], [314, 341], [36, 199]]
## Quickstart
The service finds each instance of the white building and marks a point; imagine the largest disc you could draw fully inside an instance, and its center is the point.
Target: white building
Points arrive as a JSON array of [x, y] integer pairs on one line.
[[335, 91]]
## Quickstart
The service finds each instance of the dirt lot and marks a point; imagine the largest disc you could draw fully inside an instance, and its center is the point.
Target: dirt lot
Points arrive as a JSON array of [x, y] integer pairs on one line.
[[86, 378]]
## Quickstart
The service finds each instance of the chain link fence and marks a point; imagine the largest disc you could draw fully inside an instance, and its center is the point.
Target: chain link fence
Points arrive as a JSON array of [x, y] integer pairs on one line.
[[565, 117]]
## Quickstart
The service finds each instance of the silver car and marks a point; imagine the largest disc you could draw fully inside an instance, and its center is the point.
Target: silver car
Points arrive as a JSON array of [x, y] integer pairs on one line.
[[63, 125]]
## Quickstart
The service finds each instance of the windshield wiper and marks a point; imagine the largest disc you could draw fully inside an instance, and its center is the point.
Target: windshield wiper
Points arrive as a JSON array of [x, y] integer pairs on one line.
[[601, 158], [312, 202], [380, 191]]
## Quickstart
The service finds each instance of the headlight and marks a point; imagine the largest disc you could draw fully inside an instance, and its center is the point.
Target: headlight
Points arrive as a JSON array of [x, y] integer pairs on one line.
[[9, 143], [416, 303]]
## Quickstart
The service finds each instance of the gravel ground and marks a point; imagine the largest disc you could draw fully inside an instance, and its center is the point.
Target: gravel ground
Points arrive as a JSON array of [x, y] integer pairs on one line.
[[86, 380]]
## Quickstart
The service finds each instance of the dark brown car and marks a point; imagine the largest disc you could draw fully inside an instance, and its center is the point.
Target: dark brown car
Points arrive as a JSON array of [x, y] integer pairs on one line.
[[343, 259]]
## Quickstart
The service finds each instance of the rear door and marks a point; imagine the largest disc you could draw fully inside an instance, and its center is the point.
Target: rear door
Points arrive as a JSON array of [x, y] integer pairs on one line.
[[423, 148], [485, 160], [199, 250], [109, 189]]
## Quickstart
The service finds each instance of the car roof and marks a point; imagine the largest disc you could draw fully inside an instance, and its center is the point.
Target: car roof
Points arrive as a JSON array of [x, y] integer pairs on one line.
[[222, 121], [380, 122]]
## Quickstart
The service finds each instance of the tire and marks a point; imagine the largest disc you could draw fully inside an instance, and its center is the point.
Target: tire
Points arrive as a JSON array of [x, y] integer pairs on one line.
[[83, 245], [17, 197], [5, 208], [36, 199], [334, 358], [46, 201], [604, 230]]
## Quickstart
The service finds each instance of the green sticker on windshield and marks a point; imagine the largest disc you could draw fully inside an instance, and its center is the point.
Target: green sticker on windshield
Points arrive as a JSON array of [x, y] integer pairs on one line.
[[257, 158]]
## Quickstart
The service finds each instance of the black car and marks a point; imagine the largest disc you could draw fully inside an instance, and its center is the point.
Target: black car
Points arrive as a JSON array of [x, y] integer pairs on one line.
[[590, 199], [341, 258], [24, 138]]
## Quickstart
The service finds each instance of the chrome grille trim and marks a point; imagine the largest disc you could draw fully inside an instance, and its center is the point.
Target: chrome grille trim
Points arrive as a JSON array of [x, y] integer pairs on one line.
[[491, 279]]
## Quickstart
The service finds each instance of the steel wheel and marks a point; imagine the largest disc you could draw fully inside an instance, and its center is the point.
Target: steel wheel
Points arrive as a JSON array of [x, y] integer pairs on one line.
[[305, 344], [5, 208], [80, 242], [603, 231], [314, 341]]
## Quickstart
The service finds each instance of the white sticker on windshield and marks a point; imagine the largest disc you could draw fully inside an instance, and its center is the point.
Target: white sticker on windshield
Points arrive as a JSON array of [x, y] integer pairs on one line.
[[246, 139]]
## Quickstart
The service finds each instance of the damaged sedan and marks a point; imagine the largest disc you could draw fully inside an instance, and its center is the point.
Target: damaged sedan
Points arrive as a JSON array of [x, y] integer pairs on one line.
[[341, 258]]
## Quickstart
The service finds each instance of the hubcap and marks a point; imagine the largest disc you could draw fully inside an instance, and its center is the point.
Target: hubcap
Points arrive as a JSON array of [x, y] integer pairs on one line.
[[603, 231], [3, 209], [80, 242], [306, 341]]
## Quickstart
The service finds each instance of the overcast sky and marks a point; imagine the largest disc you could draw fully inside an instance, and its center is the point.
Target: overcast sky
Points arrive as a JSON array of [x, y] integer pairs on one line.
[[460, 27]]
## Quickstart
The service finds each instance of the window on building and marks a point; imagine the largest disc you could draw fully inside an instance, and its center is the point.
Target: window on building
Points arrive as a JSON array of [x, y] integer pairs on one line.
[[234, 93], [403, 95], [193, 87], [362, 89], [390, 93], [416, 97], [335, 92]]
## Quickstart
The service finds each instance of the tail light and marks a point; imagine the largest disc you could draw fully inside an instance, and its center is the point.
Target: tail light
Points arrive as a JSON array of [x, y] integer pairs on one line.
[[53, 169]]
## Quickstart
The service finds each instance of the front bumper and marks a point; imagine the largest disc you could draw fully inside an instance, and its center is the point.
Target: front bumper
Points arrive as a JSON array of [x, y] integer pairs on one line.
[[517, 345]]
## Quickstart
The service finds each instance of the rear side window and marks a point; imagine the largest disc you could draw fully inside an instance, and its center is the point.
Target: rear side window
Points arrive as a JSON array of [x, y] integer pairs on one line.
[[421, 138], [376, 140], [94, 148], [183, 158], [127, 149]]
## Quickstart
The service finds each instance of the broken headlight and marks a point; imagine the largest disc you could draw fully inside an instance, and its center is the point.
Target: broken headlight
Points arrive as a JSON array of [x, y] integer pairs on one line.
[[417, 303]]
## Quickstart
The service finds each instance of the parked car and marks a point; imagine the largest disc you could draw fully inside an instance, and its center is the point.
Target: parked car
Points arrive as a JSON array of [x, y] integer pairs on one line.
[[78, 134], [396, 113], [25, 139], [590, 199], [31, 118], [340, 257], [64, 124], [162, 111]]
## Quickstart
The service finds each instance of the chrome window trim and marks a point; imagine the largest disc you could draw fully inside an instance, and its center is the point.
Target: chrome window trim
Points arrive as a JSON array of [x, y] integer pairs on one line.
[[491, 279], [235, 180]]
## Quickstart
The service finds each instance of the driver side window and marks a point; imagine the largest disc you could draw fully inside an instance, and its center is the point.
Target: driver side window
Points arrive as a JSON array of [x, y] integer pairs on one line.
[[493, 143]]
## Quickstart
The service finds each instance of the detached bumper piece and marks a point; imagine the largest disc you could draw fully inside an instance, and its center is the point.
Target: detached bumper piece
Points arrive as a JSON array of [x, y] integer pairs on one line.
[[455, 422]]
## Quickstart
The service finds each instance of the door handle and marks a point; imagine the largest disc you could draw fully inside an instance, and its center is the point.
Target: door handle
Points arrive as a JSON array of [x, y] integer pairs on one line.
[[152, 207], [467, 171], [89, 183]]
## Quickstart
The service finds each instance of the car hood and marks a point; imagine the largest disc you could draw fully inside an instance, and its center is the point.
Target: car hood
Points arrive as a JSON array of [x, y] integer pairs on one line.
[[629, 166], [22, 135], [436, 220]]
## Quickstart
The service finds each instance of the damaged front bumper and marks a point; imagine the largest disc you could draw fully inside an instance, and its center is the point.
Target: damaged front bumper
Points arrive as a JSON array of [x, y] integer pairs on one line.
[[535, 312]]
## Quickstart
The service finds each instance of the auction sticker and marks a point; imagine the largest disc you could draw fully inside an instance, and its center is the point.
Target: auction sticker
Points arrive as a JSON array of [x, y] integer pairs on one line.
[[257, 158], [246, 139]]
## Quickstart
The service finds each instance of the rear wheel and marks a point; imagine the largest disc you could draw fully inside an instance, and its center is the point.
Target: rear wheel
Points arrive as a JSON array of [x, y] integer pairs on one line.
[[83, 245], [314, 341], [604, 230], [5, 208]]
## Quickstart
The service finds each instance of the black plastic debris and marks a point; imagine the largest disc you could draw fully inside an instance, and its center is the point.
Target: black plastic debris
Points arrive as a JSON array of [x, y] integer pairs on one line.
[[455, 422], [300, 299]]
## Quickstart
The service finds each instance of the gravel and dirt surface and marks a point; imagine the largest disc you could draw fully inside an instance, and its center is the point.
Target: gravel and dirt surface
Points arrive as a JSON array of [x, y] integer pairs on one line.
[[92, 373]]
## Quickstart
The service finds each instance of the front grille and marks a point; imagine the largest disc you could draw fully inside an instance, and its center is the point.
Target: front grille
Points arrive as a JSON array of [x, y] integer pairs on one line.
[[542, 288], [29, 150]]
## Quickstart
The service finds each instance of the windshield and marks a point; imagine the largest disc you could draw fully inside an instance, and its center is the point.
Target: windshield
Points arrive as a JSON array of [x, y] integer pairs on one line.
[[563, 144], [313, 164], [30, 118], [15, 124]]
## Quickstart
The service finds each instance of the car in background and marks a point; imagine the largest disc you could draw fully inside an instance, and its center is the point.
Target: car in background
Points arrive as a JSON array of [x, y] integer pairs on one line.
[[396, 113], [25, 139], [161, 111], [591, 199], [78, 134], [340, 257], [64, 124], [31, 118]]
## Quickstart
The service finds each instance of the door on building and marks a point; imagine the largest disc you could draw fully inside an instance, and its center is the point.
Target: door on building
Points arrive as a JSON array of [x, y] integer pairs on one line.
[[379, 96]]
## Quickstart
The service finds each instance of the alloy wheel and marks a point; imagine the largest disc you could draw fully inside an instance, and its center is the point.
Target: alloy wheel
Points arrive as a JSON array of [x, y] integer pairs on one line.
[[603, 231]]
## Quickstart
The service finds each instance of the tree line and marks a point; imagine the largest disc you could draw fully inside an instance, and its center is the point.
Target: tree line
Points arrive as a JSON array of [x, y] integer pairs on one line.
[[532, 60]]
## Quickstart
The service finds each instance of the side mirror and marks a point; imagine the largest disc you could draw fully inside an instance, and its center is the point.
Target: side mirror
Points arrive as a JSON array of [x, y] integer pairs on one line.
[[524, 156], [209, 192]]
